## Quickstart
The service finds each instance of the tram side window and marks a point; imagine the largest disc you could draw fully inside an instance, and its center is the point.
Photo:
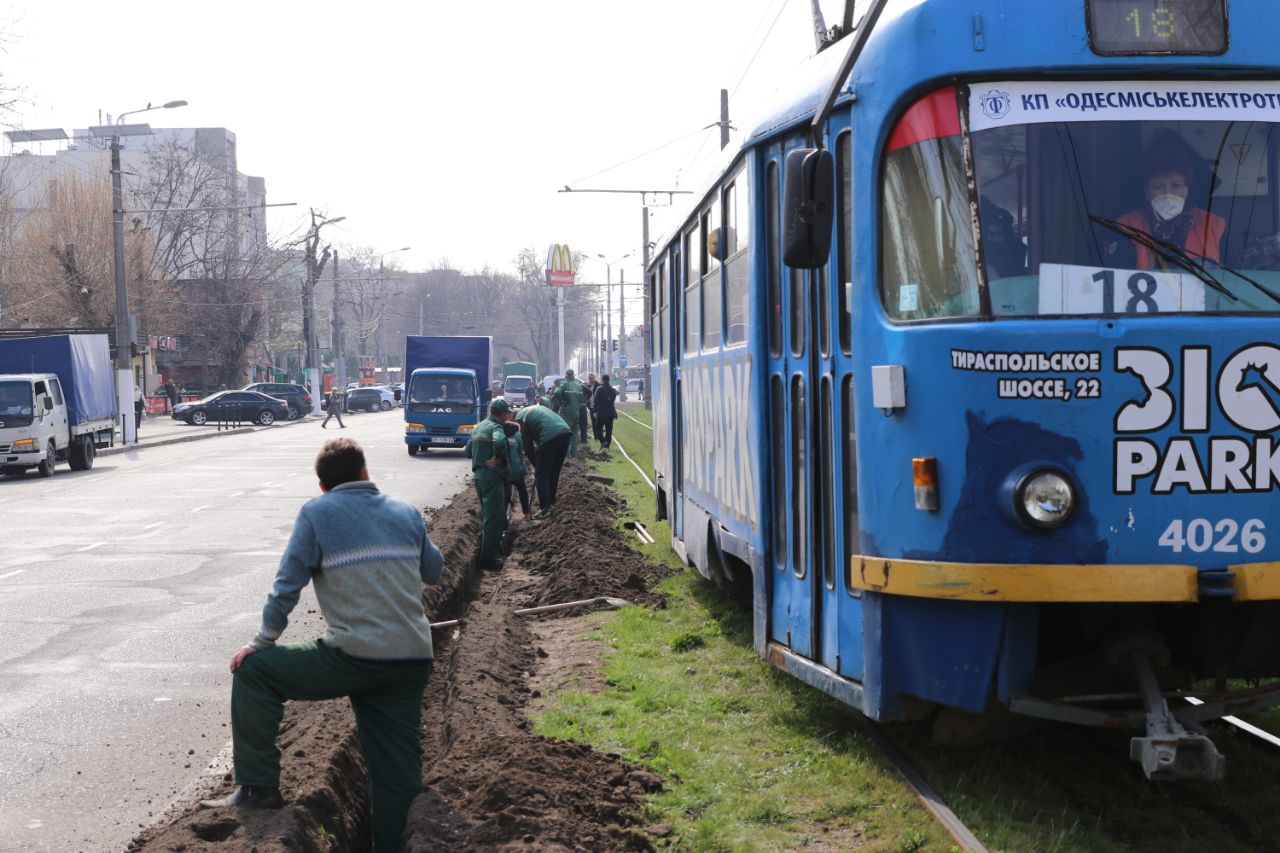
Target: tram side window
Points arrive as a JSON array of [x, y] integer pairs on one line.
[[778, 468], [774, 261], [800, 498], [660, 328], [711, 284], [929, 261], [852, 529], [737, 228], [693, 285], [844, 237]]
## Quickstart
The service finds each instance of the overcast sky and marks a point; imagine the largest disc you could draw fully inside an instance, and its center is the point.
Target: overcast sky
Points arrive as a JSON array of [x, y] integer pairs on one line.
[[445, 126]]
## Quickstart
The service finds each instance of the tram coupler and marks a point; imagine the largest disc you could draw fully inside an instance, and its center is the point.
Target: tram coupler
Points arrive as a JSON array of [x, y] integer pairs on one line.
[[1169, 752]]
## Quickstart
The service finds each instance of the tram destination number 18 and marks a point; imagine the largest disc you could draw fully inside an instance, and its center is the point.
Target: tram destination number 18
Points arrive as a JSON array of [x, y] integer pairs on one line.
[[1157, 26]]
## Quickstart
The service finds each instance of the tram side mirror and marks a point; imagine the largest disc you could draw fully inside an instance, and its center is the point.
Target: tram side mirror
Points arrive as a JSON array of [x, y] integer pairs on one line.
[[808, 189]]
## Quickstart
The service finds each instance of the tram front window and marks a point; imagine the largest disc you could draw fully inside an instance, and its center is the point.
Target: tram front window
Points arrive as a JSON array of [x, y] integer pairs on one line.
[[1082, 217]]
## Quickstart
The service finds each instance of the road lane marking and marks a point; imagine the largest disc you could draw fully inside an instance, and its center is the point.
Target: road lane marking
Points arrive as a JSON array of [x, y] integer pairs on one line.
[[235, 495], [152, 526], [91, 547], [11, 574], [202, 507]]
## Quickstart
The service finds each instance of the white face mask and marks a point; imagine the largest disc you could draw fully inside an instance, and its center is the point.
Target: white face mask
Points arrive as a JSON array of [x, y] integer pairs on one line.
[[1168, 206]]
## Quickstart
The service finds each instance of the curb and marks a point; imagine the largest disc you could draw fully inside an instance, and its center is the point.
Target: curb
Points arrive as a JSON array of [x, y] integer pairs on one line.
[[182, 439]]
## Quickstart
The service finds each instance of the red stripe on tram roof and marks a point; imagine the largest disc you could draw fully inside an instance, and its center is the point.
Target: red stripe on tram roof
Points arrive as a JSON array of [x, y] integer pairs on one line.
[[934, 116]]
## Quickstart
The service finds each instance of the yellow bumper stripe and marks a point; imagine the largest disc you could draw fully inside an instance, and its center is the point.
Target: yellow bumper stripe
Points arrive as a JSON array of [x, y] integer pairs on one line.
[[1038, 583], [1256, 581]]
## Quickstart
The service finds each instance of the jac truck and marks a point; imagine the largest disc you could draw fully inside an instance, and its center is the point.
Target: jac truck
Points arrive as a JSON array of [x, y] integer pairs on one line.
[[516, 377], [57, 402], [446, 389]]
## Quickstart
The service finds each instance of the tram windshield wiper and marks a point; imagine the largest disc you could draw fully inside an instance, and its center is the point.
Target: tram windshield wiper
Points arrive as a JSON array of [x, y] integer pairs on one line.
[[1201, 264], [1173, 254]]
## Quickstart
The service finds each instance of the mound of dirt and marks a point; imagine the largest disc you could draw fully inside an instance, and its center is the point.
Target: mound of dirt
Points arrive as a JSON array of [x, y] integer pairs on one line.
[[491, 784], [579, 553]]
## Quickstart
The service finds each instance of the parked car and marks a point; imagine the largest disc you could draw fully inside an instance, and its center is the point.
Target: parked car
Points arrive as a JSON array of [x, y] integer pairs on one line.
[[369, 400], [249, 406], [298, 397]]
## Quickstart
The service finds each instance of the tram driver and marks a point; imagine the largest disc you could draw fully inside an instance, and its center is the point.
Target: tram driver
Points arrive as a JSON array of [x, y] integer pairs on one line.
[[1169, 215]]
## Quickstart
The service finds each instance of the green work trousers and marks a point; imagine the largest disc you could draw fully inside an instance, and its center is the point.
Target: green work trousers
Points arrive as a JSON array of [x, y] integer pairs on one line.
[[493, 512], [386, 698], [571, 415]]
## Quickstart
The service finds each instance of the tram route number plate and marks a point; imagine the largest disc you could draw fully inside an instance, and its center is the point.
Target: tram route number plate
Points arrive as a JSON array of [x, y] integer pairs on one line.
[[1069, 289]]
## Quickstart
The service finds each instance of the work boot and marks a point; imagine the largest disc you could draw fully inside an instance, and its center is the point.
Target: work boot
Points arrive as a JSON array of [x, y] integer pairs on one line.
[[247, 797]]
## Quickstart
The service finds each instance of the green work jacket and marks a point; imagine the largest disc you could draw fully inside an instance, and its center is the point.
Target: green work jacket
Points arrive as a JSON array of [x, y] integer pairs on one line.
[[570, 395], [488, 441], [543, 423]]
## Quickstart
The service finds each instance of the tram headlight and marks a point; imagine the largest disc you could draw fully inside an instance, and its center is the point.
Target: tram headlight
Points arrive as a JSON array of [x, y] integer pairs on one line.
[[1045, 499]]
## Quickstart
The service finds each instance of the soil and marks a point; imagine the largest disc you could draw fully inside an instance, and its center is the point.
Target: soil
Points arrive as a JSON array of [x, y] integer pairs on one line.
[[491, 783]]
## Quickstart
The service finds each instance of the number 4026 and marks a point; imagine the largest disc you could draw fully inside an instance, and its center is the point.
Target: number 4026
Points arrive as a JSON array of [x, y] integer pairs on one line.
[[1226, 536]]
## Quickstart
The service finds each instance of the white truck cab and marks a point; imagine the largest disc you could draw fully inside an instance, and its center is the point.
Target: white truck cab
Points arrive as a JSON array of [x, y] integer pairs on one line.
[[35, 429]]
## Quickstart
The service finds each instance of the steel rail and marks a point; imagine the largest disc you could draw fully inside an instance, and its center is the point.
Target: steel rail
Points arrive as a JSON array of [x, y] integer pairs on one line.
[[960, 833], [642, 423], [1240, 724]]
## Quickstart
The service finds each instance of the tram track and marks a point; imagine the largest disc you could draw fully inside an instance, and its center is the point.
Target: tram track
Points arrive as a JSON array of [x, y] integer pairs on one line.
[[929, 798], [1240, 725]]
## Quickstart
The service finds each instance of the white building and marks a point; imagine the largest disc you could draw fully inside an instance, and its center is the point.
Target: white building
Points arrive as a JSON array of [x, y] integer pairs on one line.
[[174, 168]]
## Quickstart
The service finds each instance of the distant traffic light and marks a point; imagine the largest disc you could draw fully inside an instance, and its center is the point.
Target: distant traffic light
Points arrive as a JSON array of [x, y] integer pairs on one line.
[[615, 344]]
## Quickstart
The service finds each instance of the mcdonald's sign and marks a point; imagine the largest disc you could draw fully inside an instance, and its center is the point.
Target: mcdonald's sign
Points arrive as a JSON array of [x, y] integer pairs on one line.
[[560, 267]]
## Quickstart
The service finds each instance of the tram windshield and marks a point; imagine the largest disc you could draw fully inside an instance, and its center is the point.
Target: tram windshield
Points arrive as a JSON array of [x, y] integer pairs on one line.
[[1080, 217]]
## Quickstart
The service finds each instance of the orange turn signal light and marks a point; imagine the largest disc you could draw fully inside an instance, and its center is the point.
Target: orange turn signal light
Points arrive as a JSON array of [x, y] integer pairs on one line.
[[924, 476]]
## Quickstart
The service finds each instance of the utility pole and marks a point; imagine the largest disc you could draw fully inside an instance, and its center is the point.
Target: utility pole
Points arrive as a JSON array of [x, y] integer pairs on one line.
[[339, 358], [724, 118], [648, 312], [608, 320], [560, 322], [622, 318], [124, 341]]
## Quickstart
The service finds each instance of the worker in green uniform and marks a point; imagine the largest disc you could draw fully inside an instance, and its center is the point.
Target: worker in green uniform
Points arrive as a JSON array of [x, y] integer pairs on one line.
[[570, 397], [545, 437], [487, 449]]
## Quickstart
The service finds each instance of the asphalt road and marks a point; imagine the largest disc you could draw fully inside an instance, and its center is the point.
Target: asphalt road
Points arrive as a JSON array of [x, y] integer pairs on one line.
[[124, 590]]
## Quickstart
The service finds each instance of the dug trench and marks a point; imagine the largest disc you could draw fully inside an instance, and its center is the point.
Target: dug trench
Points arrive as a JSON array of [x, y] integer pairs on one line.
[[490, 782]]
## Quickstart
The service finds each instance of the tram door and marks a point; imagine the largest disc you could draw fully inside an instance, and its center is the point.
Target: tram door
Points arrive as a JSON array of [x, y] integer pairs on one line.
[[794, 390], [810, 388], [676, 349]]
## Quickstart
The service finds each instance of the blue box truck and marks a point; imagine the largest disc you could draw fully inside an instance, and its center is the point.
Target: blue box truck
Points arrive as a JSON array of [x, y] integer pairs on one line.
[[446, 391], [57, 402]]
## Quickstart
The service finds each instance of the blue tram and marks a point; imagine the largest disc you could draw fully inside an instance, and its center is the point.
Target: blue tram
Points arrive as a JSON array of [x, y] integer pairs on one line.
[[969, 364]]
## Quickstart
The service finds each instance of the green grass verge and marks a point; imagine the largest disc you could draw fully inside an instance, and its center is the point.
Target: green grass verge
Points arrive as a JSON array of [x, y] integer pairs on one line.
[[756, 761], [752, 759]]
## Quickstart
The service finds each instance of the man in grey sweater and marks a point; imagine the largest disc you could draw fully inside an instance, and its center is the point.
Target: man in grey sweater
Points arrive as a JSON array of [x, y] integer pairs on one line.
[[368, 555]]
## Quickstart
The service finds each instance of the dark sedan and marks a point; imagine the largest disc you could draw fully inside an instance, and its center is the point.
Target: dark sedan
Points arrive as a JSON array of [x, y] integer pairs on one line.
[[366, 399], [248, 406]]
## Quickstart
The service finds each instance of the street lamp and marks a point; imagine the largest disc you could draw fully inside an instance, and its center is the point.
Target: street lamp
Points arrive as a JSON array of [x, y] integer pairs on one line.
[[608, 296], [124, 348], [382, 327]]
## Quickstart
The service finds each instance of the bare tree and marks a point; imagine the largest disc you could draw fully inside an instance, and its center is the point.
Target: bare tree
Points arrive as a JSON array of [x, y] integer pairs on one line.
[[225, 274], [59, 263]]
